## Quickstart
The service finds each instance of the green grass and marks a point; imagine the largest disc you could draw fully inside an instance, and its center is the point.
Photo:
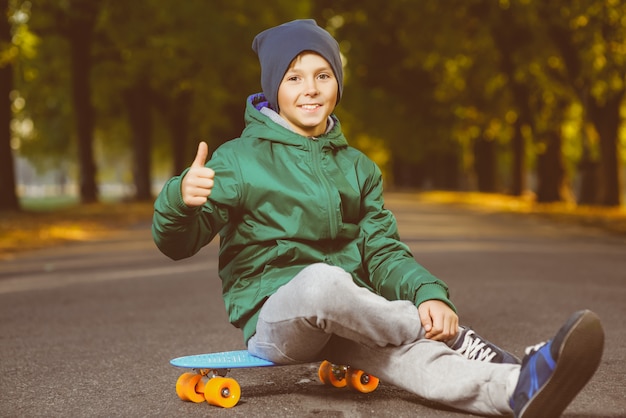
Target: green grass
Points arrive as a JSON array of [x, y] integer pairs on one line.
[[46, 204]]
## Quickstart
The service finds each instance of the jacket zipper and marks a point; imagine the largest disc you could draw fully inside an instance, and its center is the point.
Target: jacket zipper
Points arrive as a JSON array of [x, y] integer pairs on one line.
[[317, 158]]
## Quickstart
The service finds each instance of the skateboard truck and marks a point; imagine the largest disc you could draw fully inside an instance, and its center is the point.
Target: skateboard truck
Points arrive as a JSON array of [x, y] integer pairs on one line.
[[340, 376]]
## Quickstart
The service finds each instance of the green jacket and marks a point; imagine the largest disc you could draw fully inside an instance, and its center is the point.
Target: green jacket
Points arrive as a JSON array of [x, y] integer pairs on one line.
[[281, 202]]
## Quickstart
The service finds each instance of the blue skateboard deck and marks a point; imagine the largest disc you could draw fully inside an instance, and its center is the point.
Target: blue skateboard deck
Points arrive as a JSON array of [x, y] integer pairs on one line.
[[225, 360]]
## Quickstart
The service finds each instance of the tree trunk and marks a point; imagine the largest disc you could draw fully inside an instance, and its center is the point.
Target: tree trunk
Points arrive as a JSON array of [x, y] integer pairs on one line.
[[550, 170], [409, 174], [139, 113], [443, 170], [80, 34], [178, 123], [606, 119], [604, 116], [8, 195], [519, 160], [485, 164], [588, 170], [175, 111], [509, 39]]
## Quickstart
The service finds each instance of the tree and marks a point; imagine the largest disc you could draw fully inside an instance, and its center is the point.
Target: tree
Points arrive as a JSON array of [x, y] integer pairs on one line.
[[8, 194], [77, 26], [74, 21], [190, 62], [441, 78], [394, 79], [461, 94], [539, 106], [138, 105], [589, 36], [511, 40], [126, 49]]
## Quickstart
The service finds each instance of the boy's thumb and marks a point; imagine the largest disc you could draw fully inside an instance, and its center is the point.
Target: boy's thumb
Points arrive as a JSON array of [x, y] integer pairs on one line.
[[425, 319], [201, 155]]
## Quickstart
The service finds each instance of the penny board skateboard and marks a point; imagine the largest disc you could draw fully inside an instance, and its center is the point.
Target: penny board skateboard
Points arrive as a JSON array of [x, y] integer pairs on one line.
[[208, 381]]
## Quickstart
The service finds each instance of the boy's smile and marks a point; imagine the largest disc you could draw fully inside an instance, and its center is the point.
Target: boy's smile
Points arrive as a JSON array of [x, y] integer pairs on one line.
[[307, 94]]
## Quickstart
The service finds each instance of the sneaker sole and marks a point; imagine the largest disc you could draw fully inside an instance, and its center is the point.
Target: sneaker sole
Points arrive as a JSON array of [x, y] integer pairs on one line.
[[579, 357]]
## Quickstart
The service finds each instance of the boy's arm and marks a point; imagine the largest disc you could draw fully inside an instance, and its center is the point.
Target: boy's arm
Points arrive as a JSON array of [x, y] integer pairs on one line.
[[394, 272], [183, 221]]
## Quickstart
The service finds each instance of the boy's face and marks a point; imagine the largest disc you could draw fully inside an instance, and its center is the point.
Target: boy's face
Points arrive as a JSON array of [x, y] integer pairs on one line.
[[307, 95]]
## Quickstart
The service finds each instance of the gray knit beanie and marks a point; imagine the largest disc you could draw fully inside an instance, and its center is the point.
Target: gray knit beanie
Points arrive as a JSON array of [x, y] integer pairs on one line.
[[278, 46]]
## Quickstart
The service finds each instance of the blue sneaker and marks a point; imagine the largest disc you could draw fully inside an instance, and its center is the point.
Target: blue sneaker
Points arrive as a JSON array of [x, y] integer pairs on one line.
[[474, 347], [554, 372]]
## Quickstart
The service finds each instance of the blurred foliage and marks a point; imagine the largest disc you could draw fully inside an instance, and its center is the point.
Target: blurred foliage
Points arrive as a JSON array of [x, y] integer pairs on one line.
[[506, 95]]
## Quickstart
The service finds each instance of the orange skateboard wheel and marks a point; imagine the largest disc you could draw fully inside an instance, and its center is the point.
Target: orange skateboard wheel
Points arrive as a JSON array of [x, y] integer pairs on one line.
[[322, 372], [222, 391], [361, 381], [329, 376], [189, 387]]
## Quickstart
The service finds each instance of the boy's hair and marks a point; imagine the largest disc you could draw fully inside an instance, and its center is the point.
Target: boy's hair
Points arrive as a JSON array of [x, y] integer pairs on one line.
[[278, 46]]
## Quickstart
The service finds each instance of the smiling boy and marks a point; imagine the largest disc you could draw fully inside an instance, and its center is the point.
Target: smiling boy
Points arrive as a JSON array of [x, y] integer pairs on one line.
[[308, 94], [311, 263]]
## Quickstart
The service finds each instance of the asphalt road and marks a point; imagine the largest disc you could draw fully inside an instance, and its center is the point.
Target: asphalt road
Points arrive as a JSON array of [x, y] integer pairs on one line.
[[88, 329]]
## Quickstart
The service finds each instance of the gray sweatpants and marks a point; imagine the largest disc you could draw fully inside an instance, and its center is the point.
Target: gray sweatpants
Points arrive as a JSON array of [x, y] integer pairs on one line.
[[323, 315]]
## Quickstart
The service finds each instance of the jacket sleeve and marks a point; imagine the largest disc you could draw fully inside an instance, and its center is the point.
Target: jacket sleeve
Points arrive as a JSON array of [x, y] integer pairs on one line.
[[393, 271], [180, 231]]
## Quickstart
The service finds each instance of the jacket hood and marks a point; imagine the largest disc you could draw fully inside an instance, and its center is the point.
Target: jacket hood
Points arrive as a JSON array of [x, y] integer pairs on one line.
[[261, 126]]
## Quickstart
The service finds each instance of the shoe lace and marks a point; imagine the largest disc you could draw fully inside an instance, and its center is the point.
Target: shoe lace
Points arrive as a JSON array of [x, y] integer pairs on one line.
[[474, 348], [533, 348]]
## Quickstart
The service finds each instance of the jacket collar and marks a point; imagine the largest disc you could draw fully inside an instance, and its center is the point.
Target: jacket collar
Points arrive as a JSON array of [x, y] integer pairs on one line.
[[264, 123]]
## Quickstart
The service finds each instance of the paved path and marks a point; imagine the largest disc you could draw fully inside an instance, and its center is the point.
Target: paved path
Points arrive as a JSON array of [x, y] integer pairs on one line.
[[88, 329]]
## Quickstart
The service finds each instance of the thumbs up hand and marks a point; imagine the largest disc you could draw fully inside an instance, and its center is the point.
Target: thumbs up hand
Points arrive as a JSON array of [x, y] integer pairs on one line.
[[198, 182]]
